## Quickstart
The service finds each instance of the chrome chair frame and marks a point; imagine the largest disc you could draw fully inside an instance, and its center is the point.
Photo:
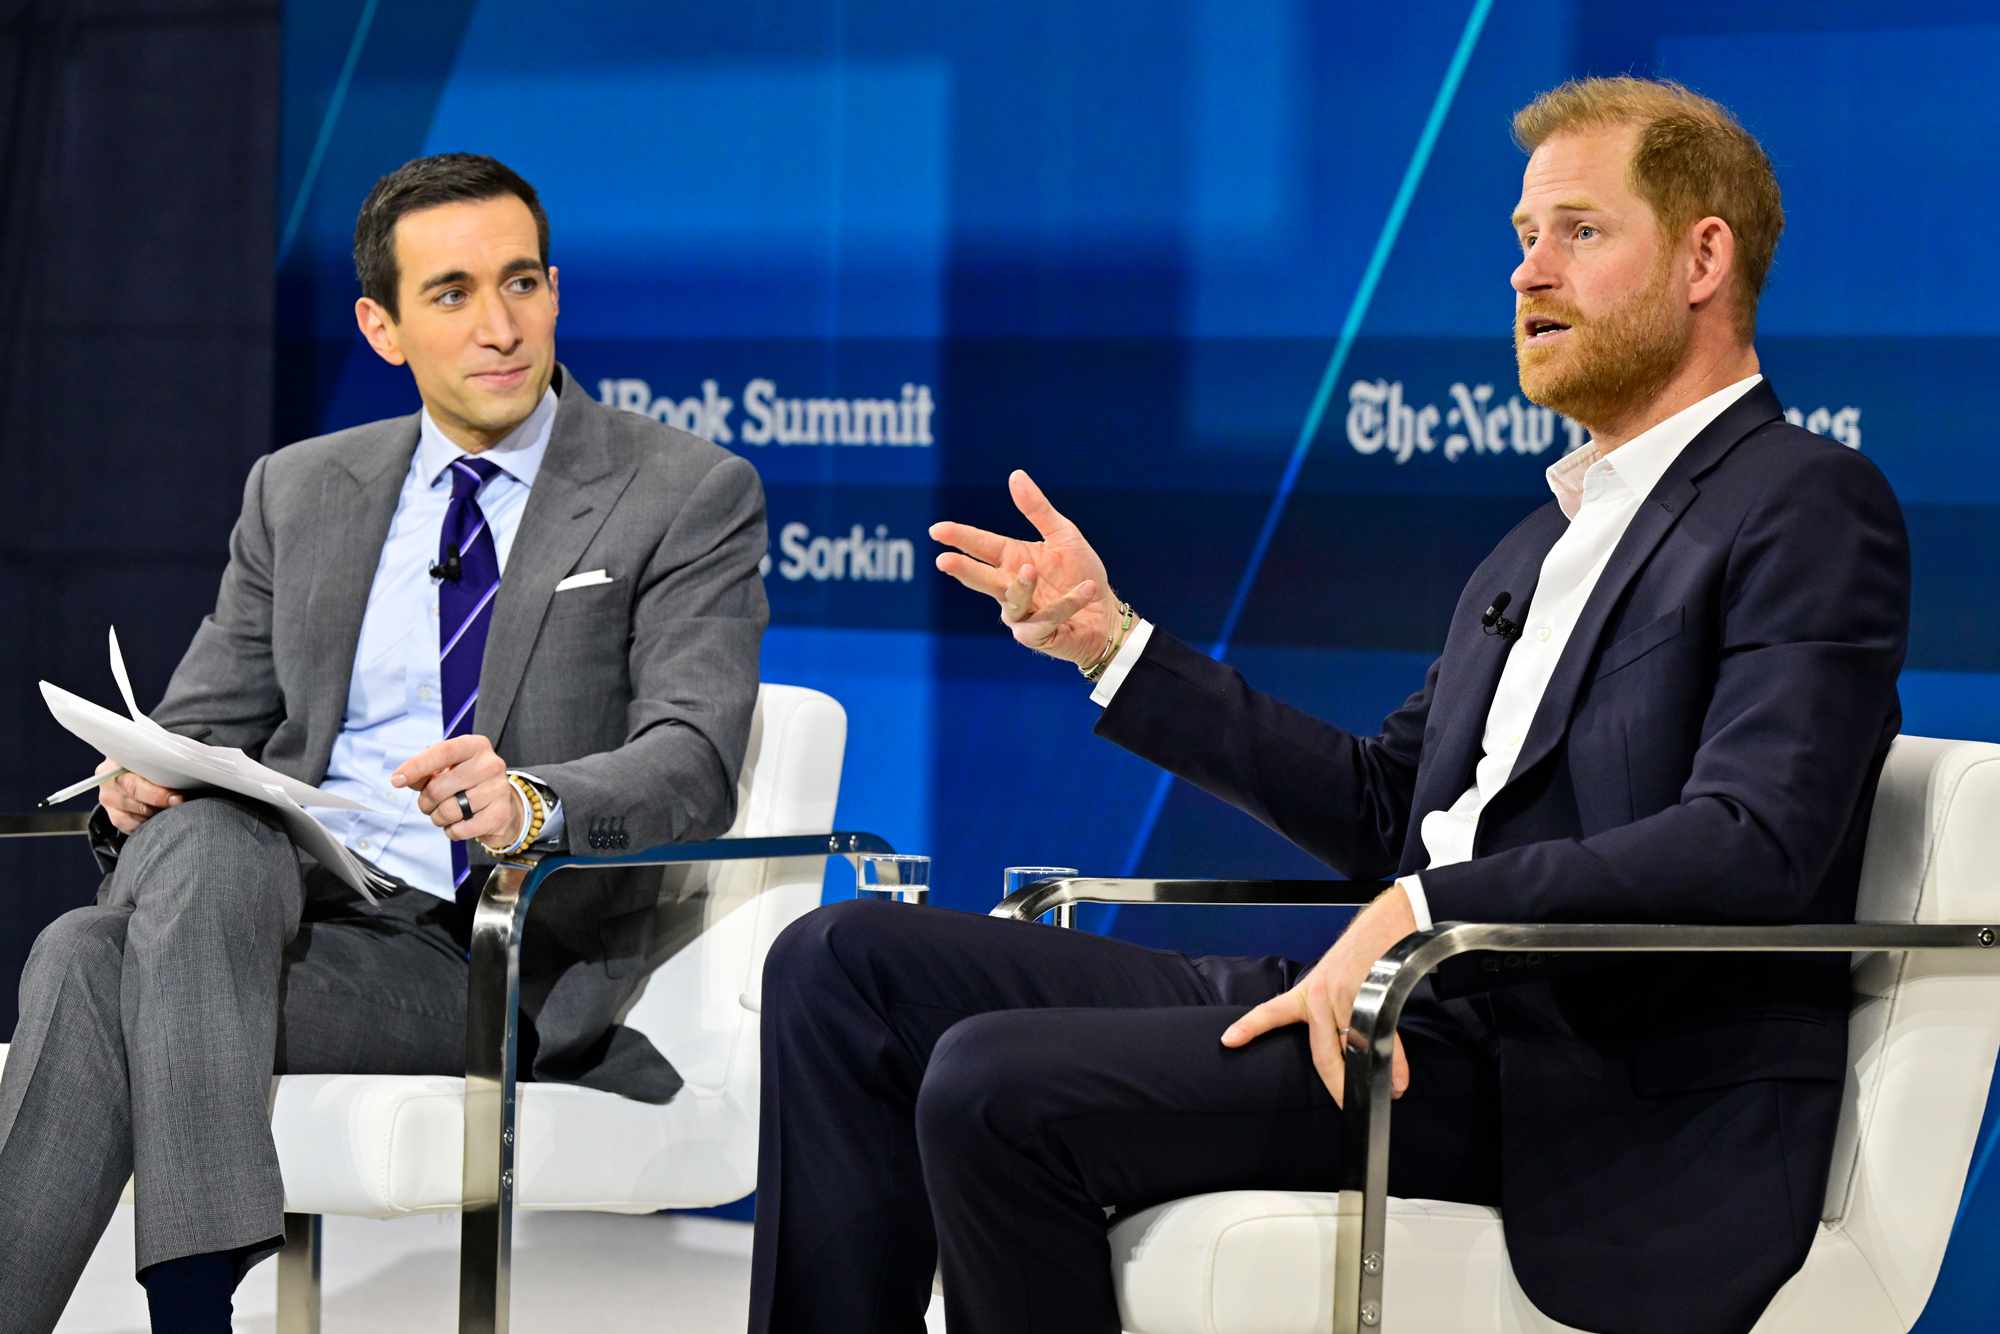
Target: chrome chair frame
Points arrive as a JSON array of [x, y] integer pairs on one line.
[[43, 825], [1361, 1255], [492, 1017]]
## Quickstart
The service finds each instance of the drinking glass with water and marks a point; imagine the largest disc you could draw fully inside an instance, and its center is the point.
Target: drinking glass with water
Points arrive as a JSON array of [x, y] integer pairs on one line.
[[899, 877]]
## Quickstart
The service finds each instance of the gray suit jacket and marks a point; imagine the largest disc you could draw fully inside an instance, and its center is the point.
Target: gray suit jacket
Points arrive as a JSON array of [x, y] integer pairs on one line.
[[630, 699]]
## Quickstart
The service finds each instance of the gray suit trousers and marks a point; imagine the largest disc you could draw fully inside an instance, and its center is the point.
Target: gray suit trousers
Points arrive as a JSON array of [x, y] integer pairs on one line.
[[151, 1025]]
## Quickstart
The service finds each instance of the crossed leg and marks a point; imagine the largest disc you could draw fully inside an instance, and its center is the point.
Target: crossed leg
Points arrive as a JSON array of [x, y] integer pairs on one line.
[[152, 1022]]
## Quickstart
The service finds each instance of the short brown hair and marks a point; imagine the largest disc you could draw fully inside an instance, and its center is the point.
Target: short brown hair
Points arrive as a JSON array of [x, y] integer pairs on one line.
[[1693, 161], [426, 182]]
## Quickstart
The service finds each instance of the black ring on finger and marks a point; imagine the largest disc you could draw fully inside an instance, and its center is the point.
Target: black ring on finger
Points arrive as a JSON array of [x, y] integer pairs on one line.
[[464, 807]]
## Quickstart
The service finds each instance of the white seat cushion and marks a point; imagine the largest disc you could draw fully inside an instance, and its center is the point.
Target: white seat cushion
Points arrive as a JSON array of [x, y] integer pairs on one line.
[[381, 1146], [1233, 1263], [1258, 1262]]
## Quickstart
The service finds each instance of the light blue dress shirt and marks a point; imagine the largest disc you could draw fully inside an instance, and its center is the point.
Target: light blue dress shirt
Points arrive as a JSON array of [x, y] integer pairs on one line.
[[394, 703]]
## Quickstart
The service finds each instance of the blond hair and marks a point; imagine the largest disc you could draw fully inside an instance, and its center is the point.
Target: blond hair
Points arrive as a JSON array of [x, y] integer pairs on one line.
[[1693, 161]]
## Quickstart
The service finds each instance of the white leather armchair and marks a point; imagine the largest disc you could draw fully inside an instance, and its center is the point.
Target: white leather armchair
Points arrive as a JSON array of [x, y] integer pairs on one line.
[[1925, 1027], [380, 1146], [383, 1146]]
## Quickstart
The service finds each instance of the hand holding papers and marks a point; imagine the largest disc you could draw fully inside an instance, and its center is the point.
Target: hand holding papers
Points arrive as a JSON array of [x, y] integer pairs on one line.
[[173, 761]]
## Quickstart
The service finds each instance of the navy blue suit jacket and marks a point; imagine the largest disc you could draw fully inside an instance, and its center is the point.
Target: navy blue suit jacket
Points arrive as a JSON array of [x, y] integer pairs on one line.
[[1706, 751]]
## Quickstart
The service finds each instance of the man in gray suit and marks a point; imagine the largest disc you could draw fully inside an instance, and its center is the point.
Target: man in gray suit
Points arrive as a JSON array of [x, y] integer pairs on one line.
[[610, 708]]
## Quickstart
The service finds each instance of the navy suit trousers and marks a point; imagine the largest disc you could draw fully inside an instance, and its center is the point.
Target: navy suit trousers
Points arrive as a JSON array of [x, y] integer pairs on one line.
[[961, 1091]]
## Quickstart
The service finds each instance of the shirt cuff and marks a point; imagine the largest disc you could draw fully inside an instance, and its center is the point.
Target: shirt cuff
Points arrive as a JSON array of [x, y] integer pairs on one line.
[[1120, 665], [1420, 907]]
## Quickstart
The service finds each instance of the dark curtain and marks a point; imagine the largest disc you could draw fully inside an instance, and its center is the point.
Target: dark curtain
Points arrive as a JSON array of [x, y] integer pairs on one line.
[[138, 167]]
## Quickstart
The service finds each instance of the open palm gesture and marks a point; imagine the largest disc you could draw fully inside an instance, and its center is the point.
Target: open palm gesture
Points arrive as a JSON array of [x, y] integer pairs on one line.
[[1053, 593]]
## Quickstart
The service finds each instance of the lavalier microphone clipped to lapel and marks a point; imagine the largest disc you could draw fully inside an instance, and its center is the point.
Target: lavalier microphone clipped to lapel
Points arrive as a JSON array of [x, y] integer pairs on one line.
[[1494, 622]]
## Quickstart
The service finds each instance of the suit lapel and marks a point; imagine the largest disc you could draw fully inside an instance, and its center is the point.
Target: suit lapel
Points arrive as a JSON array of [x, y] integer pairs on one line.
[[1471, 672], [1669, 500], [579, 481], [357, 504]]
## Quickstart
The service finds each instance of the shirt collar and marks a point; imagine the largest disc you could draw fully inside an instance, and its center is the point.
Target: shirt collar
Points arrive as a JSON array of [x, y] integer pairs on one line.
[[1640, 461], [519, 453]]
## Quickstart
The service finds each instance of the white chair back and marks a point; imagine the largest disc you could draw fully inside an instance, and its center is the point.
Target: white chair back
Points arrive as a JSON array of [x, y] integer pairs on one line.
[[696, 1007], [1925, 1027]]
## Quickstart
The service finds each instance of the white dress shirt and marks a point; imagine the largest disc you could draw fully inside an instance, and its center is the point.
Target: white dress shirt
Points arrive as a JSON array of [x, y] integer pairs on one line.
[[395, 703], [1600, 493]]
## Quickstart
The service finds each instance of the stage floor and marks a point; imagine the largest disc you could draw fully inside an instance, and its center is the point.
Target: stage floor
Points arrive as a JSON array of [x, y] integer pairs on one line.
[[601, 1273]]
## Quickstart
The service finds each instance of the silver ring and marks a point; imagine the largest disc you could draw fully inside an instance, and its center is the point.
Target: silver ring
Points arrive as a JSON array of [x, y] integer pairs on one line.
[[464, 807]]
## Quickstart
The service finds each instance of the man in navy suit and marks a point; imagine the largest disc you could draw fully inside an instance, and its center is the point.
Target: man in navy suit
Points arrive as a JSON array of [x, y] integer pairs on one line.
[[1678, 716]]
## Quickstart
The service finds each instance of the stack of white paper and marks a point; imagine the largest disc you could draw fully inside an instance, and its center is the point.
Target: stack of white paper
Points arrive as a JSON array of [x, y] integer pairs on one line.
[[175, 761]]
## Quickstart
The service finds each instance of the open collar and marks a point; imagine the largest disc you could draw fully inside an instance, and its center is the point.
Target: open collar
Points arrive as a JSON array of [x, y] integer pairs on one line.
[[1641, 461]]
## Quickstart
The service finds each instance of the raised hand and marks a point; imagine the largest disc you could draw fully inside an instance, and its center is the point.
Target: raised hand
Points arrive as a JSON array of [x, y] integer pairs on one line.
[[1053, 593]]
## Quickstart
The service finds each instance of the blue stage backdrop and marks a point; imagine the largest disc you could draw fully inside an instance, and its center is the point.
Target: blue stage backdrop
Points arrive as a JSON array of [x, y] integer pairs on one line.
[[1228, 276]]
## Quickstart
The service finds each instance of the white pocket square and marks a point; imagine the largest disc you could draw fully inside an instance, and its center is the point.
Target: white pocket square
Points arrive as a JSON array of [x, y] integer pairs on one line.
[[588, 579]]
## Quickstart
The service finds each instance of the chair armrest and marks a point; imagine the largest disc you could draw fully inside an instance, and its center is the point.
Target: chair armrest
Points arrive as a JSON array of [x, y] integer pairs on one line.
[[44, 824], [1358, 1269], [1032, 900], [836, 844]]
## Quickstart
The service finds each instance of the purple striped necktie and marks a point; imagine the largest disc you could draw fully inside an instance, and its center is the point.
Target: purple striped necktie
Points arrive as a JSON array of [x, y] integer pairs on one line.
[[465, 607]]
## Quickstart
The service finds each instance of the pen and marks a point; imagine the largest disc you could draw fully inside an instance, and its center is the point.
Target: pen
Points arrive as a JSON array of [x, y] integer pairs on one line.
[[56, 798]]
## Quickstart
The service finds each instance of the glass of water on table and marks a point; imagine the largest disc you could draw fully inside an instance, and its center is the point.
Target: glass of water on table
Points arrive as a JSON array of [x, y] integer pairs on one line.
[[897, 877]]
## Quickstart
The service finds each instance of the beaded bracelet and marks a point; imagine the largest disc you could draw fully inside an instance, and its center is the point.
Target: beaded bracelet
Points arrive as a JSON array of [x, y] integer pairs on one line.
[[538, 818]]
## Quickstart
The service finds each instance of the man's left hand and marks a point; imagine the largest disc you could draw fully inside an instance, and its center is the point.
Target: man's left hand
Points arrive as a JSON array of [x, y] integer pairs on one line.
[[469, 765], [1324, 998]]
